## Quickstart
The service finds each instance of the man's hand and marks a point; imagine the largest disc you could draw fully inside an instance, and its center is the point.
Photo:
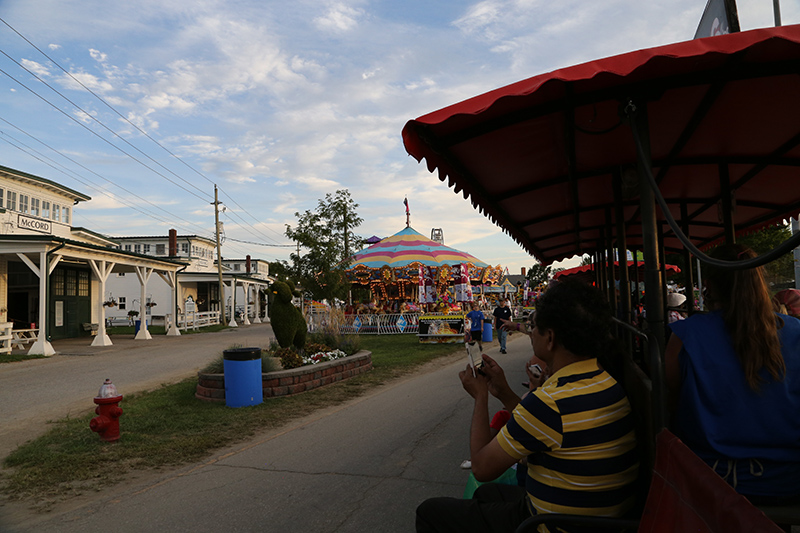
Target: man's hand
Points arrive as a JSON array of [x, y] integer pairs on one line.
[[497, 384], [508, 325], [477, 386]]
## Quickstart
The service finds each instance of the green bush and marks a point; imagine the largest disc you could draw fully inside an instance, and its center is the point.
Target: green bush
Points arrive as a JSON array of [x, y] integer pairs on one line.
[[217, 365], [349, 344], [289, 357]]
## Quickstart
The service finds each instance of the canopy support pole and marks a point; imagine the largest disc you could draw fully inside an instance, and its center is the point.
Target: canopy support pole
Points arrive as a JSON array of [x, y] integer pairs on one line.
[[688, 277], [611, 278], [622, 252], [654, 301]]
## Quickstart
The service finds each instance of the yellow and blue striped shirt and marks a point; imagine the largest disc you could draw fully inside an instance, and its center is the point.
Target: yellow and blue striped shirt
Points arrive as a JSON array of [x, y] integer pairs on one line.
[[577, 431]]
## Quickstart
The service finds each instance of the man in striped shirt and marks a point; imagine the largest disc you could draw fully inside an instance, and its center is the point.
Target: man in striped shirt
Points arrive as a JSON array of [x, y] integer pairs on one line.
[[576, 430]]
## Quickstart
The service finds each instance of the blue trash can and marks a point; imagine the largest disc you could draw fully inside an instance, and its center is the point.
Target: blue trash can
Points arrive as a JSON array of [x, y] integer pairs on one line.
[[487, 332], [242, 368], [138, 325]]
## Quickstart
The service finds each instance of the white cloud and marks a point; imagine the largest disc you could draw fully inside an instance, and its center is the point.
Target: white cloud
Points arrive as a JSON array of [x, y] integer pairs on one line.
[[37, 68], [339, 18]]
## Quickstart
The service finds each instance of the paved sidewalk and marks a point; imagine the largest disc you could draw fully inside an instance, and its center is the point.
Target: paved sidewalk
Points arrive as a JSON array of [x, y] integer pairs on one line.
[[41, 390]]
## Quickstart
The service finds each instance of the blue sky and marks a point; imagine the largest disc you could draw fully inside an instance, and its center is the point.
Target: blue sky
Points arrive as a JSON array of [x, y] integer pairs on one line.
[[280, 103]]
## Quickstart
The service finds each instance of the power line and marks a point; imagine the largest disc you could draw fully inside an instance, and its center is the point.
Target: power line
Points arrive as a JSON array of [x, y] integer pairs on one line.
[[89, 183], [98, 122], [128, 121]]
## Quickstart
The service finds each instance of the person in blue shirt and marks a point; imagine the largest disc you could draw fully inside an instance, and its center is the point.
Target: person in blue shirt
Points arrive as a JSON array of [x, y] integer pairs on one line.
[[476, 324], [502, 312], [734, 375]]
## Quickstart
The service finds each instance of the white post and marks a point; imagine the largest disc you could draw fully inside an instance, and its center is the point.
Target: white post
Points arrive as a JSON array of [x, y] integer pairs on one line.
[[102, 270], [143, 273], [257, 300], [171, 279], [42, 345], [233, 323], [699, 287], [246, 289], [795, 229]]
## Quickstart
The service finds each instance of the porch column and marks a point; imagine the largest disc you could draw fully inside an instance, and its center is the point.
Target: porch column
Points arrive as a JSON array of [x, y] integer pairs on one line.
[[102, 270], [257, 300], [233, 323], [246, 288], [143, 273], [170, 278], [42, 345]]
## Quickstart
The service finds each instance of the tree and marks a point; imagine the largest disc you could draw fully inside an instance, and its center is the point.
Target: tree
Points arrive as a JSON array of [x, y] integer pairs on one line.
[[539, 274], [781, 270], [327, 236]]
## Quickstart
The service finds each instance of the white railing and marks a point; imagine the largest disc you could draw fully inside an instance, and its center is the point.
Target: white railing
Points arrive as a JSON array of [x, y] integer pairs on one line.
[[367, 324], [198, 320]]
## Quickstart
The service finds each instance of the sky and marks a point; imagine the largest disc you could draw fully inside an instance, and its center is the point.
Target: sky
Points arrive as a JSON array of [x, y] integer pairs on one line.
[[147, 105]]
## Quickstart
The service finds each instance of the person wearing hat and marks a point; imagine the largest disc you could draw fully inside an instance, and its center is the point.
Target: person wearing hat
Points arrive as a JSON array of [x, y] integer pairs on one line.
[[675, 301]]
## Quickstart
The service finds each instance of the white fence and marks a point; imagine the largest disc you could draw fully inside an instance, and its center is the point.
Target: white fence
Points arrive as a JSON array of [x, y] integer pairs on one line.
[[388, 324], [198, 320]]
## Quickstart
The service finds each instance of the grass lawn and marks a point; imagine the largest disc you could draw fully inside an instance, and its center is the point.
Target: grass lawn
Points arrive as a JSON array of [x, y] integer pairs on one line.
[[170, 427]]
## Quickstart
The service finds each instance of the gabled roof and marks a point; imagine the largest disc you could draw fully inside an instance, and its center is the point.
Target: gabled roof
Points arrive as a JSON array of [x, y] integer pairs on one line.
[[49, 185]]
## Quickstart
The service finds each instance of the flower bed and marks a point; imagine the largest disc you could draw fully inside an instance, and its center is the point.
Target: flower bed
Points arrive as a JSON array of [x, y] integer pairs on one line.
[[211, 387]]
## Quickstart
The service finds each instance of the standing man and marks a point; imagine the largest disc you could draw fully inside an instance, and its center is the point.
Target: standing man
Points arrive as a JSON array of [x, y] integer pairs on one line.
[[502, 312]]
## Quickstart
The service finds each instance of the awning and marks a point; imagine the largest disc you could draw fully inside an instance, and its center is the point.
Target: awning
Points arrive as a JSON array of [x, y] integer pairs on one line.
[[539, 157], [586, 273]]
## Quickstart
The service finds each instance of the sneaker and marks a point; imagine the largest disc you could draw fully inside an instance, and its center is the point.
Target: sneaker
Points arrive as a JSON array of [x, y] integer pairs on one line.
[[466, 465], [503, 351]]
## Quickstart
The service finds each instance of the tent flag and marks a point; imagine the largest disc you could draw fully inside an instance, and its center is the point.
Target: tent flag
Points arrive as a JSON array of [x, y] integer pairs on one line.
[[463, 288], [405, 201]]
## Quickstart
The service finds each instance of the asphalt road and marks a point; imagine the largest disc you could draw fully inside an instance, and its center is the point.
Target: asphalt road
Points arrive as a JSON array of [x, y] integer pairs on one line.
[[359, 467]]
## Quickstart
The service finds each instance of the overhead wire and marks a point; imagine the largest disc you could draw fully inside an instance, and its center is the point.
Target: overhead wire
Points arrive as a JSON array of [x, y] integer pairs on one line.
[[88, 115], [88, 183], [109, 106]]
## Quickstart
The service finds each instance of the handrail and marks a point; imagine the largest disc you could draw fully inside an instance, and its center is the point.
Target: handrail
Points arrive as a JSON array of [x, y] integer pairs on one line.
[[656, 368]]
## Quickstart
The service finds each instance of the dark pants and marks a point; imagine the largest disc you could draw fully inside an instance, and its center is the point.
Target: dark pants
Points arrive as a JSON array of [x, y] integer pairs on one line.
[[493, 508]]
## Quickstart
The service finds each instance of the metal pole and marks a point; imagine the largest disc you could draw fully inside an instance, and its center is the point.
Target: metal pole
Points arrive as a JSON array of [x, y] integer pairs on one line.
[[688, 278], [653, 297], [219, 259], [776, 9], [622, 252]]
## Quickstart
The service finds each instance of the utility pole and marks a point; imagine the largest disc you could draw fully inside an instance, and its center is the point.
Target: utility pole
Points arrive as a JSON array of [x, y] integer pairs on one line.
[[219, 259]]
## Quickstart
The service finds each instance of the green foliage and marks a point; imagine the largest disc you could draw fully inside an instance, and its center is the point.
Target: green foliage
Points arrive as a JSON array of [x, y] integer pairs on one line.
[[289, 357], [327, 236], [349, 344], [287, 321], [782, 269], [217, 365], [539, 273]]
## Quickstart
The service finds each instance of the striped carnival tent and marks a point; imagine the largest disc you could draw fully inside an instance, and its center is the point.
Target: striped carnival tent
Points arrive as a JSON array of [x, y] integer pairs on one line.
[[391, 266]]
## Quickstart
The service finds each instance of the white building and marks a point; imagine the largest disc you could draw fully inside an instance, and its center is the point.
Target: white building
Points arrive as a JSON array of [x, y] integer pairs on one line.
[[53, 275], [198, 282]]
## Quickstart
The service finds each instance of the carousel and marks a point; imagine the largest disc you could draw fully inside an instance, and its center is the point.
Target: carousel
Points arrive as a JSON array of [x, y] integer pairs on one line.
[[410, 273], [398, 266]]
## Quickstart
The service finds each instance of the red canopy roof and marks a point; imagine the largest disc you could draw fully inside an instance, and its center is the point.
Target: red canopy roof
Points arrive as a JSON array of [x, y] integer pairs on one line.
[[586, 272], [537, 157]]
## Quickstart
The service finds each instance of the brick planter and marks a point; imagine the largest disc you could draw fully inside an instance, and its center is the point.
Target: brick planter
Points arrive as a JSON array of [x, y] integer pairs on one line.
[[211, 387]]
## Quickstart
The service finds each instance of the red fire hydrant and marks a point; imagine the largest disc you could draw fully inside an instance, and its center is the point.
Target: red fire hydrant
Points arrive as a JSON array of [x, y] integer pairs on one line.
[[106, 423]]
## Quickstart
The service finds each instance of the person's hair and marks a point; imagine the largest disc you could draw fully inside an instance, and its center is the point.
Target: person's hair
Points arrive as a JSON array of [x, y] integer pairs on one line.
[[579, 315], [750, 320]]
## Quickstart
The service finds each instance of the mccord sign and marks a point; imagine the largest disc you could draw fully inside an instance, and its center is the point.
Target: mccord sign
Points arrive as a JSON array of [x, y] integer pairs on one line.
[[34, 224]]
